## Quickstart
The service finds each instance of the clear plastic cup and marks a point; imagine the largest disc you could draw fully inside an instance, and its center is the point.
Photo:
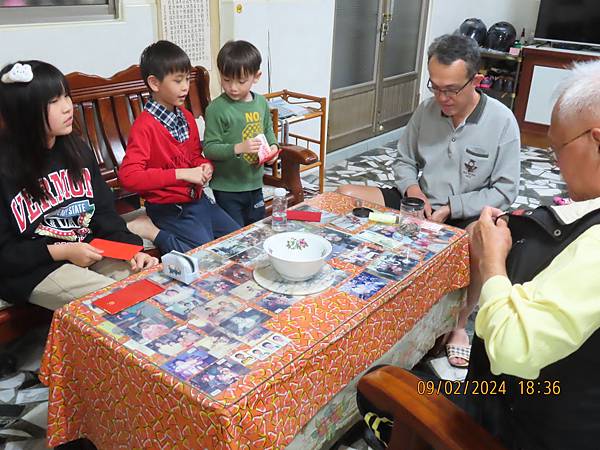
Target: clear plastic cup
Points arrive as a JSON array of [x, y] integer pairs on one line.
[[413, 206]]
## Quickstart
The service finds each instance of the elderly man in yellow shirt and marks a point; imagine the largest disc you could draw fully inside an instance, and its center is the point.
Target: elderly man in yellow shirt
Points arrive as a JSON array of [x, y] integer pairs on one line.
[[533, 375], [540, 302]]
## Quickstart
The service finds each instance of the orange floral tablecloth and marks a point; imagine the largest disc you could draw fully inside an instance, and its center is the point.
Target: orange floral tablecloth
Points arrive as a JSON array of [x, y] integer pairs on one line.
[[163, 376]]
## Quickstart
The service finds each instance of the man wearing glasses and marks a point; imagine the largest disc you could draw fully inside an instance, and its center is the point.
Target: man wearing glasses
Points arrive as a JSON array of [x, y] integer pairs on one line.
[[459, 153]]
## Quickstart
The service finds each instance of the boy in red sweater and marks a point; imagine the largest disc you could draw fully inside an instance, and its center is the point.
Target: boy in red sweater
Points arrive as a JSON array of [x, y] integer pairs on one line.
[[164, 162]]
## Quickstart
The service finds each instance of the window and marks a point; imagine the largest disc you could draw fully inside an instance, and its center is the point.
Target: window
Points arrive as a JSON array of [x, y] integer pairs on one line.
[[14, 12]]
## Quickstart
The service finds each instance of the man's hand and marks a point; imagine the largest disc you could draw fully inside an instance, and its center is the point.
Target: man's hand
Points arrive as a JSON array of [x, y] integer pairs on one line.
[[415, 191], [248, 146], [490, 243], [142, 261], [441, 215], [81, 254], [194, 175], [275, 149]]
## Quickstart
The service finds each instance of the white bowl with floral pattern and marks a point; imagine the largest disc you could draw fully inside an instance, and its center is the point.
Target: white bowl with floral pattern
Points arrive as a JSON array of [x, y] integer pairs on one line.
[[297, 256]]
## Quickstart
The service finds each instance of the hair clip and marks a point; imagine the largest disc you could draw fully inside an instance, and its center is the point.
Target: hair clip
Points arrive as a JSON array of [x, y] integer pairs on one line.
[[20, 73]]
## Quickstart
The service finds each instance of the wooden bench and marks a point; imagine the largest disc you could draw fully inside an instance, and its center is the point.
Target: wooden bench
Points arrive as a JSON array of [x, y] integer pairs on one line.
[[105, 109]]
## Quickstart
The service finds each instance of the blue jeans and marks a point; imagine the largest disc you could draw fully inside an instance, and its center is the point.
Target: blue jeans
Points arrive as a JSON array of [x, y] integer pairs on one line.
[[244, 207], [184, 226]]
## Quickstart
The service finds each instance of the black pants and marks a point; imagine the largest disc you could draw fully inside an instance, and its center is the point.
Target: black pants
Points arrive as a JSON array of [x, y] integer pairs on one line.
[[244, 207]]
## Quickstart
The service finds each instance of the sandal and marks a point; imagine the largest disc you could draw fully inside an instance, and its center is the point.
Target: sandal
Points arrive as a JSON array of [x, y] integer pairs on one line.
[[458, 351]]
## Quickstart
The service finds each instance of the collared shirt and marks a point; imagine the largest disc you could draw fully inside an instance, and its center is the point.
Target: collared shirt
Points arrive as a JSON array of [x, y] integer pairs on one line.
[[529, 326], [466, 167], [173, 121]]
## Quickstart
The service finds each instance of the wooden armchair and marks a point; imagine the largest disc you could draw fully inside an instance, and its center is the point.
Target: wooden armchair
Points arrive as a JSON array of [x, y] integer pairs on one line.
[[422, 421], [105, 109]]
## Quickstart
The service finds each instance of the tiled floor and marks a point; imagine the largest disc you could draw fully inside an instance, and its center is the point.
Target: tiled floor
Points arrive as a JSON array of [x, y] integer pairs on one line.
[[540, 182]]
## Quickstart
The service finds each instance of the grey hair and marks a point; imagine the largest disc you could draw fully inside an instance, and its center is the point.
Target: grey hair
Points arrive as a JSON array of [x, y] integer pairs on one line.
[[452, 47], [579, 92]]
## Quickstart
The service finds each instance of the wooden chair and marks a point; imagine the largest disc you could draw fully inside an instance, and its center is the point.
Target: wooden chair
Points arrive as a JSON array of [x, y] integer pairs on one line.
[[105, 109], [422, 421]]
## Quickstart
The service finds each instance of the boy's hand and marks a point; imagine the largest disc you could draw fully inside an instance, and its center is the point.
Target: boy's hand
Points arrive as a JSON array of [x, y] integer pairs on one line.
[[194, 175], [275, 149], [208, 171], [142, 261], [81, 254], [248, 146]]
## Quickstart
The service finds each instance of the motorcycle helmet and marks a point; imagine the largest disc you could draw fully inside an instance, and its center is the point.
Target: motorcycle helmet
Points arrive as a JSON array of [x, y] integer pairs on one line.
[[501, 36], [474, 28]]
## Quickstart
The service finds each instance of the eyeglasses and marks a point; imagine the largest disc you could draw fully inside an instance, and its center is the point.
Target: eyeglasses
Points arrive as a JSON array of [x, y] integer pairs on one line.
[[557, 150], [447, 92]]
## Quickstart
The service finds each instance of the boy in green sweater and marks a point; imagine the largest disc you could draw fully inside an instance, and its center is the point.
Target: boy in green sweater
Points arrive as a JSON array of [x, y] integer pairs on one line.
[[233, 122]]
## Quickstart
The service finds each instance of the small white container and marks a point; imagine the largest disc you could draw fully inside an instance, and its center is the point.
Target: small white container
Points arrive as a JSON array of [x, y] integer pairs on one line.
[[297, 256]]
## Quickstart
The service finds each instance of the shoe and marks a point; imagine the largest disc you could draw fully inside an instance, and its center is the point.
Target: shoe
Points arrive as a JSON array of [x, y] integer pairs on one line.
[[498, 84], [486, 83], [458, 351], [509, 85]]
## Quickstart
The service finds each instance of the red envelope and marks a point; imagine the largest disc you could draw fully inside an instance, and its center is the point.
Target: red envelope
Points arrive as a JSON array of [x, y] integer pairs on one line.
[[116, 250], [265, 152], [128, 296], [306, 216]]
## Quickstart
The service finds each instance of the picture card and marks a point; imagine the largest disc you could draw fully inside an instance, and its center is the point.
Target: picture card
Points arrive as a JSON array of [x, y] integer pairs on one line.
[[245, 321], [184, 309], [349, 222], [244, 358], [378, 239], [259, 353], [230, 247], [364, 285], [215, 285], [362, 255], [237, 273], [252, 258], [116, 250], [175, 342], [248, 290], [208, 261], [219, 344], [219, 376], [215, 311], [395, 266], [277, 303], [175, 293], [189, 363]]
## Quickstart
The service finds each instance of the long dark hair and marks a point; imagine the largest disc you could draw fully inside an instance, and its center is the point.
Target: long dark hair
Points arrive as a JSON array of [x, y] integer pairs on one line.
[[24, 125]]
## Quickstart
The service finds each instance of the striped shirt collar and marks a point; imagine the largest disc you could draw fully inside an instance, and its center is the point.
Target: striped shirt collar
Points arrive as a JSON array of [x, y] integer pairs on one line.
[[173, 121]]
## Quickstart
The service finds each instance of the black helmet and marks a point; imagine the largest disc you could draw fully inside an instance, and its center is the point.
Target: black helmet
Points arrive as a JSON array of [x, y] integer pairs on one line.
[[474, 28], [501, 36]]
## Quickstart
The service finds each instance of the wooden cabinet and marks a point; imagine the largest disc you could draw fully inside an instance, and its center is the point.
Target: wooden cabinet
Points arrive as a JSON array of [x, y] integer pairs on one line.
[[542, 71]]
